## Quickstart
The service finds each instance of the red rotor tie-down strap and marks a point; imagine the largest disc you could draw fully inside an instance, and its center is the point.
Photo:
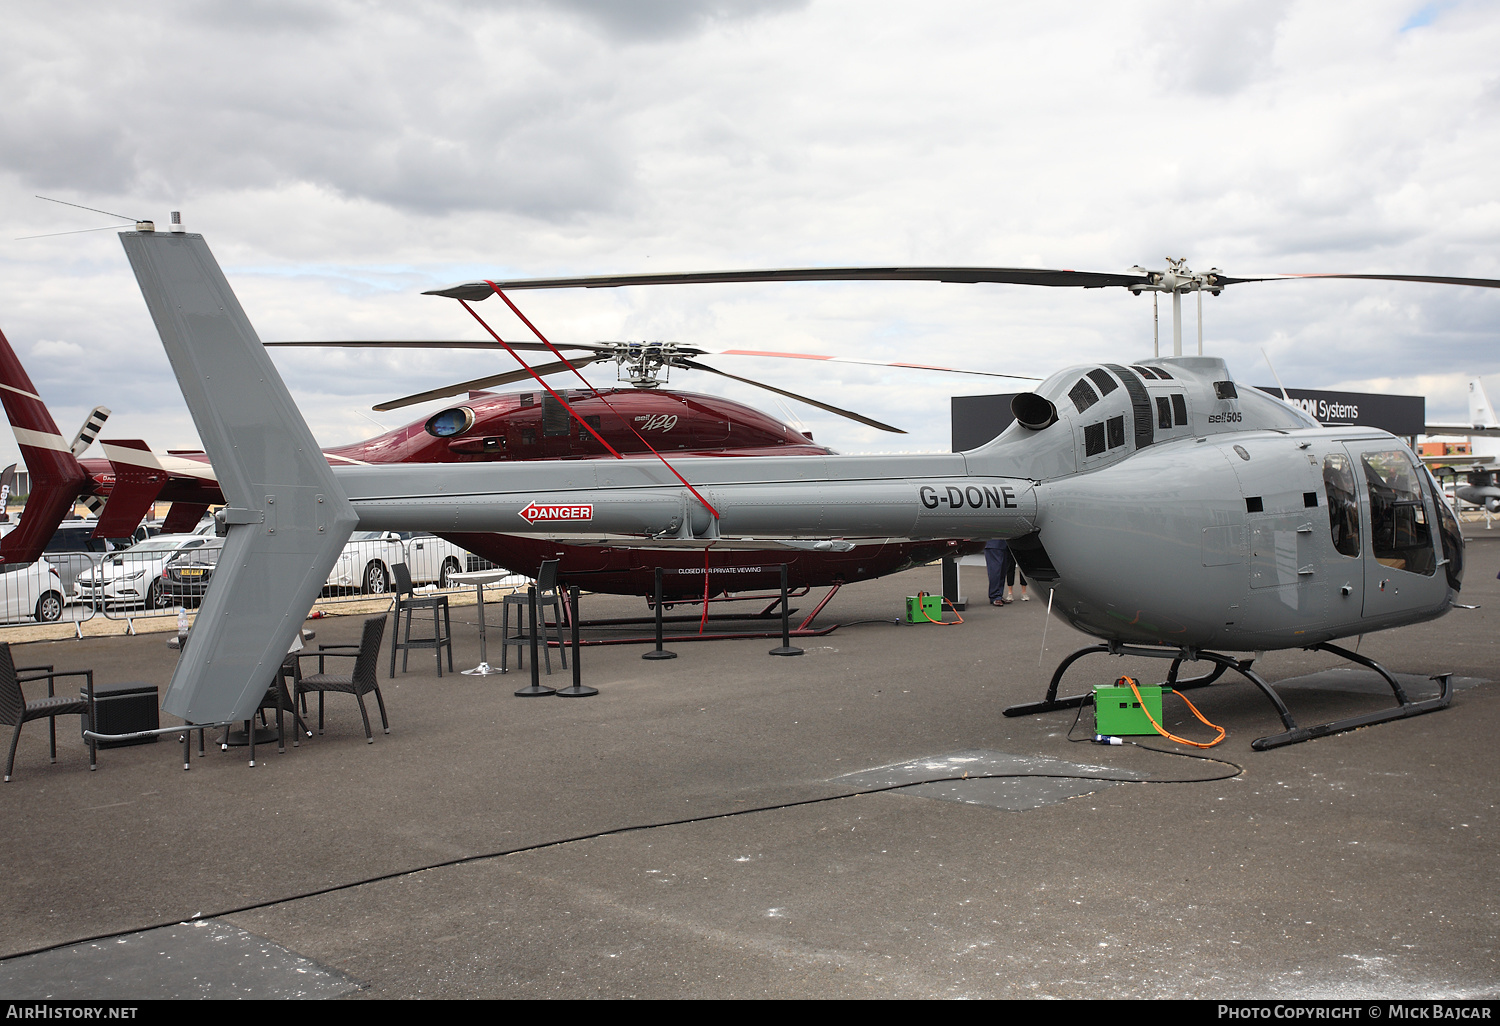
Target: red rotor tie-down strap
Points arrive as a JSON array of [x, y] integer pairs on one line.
[[539, 381], [704, 621], [524, 320]]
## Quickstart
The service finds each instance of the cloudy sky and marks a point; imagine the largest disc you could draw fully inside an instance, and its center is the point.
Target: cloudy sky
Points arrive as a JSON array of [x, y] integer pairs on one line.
[[340, 157]]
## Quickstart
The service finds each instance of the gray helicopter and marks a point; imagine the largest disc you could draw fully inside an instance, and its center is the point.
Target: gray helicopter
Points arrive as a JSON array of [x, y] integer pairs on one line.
[[1171, 514]]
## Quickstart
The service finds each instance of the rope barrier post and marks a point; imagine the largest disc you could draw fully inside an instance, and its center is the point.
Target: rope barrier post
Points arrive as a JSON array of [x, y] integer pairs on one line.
[[658, 652], [787, 648], [535, 690], [577, 690]]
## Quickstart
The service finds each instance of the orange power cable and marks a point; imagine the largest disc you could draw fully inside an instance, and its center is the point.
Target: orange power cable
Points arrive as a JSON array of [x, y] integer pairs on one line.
[[941, 623], [1162, 730]]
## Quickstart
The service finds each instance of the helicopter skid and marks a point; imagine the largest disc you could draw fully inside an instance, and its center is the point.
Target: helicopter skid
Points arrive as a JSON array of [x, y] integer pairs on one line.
[[1293, 734]]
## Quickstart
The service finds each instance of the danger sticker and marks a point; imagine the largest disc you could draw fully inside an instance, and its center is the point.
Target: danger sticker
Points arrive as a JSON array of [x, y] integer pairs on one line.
[[536, 512]]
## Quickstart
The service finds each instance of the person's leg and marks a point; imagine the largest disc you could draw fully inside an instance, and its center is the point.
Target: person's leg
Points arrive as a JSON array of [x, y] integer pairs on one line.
[[994, 565]]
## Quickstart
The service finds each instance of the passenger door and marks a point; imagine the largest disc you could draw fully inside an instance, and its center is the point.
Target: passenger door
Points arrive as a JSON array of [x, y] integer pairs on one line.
[[1401, 559], [1346, 534]]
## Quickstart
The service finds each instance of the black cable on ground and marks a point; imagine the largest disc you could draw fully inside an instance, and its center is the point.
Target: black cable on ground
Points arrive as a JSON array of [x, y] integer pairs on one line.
[[635, 828]]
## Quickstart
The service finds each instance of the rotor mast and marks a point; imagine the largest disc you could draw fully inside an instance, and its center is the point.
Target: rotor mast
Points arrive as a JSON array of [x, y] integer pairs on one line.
[[1177, 279]]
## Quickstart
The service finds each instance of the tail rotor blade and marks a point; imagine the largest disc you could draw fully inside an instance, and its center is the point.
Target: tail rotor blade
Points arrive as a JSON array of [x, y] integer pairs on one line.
[[92, 425]]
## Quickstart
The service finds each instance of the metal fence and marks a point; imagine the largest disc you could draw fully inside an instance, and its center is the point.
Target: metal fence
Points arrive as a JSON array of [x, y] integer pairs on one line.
[[146, 581]]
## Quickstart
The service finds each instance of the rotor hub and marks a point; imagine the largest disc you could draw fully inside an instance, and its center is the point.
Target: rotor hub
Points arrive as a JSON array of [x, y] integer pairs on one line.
[[1179, 278], [645, 364]]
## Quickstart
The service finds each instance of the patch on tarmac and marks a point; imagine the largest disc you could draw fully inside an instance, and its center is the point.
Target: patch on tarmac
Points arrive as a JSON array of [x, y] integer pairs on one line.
[[1367, 682], [1047, 782], [205, 958]]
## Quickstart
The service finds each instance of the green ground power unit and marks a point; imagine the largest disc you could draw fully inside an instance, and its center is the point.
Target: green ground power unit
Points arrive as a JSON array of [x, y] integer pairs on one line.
[[1117, 712], [916, 605]]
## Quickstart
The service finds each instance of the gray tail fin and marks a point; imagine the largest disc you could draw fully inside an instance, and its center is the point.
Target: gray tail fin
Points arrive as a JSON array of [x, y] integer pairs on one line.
[[287, 518]]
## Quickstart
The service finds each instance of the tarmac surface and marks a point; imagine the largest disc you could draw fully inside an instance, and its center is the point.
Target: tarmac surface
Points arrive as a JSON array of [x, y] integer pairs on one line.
[[695, 830]]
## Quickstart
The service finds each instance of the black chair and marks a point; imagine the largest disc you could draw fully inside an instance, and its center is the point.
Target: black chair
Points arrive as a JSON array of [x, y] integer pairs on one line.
[[15, 709], [277, 697], [547, 591], [359, 683], [442, 633]]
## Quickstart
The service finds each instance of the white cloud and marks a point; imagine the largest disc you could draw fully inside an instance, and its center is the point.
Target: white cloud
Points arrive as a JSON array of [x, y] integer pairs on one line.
[[47, 350], [342, 157]]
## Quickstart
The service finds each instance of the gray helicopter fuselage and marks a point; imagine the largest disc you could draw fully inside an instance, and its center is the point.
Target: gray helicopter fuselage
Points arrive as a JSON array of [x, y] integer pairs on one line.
[[1211, 527], [1158, 502]]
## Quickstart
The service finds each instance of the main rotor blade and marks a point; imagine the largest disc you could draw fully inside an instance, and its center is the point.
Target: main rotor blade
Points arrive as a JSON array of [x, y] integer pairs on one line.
[[477, 290], [694, 365], [1433, 279], [444, 344], [867, 363], [490, 381]]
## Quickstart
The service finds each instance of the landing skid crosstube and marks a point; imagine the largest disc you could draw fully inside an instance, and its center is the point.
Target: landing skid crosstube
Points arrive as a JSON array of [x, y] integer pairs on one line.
[[1404, 706]]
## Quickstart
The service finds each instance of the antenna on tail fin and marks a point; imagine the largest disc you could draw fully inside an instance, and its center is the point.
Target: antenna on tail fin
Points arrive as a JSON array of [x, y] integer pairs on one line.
[[286, 518]]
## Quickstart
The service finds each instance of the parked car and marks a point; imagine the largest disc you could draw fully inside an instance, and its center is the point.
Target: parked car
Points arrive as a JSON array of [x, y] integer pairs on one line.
[[185, 578], [431, 559], [365, 564], [133, 577], [33, 592], [72, 547]]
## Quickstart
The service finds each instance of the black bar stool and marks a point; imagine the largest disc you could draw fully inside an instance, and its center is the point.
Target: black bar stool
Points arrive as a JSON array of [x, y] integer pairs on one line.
[[547, 591], [442, 632]]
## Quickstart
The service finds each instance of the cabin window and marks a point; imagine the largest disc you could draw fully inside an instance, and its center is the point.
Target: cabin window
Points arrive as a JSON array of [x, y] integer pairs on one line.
[[1115, 428], [1163, 413], [1343, 503], [1082, 395], [1448, 532], [1106, 383], [1400, 536]]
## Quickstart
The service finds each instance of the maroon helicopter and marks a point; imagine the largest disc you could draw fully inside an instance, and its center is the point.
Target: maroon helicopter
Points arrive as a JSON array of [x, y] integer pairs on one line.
[[640, 421]]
